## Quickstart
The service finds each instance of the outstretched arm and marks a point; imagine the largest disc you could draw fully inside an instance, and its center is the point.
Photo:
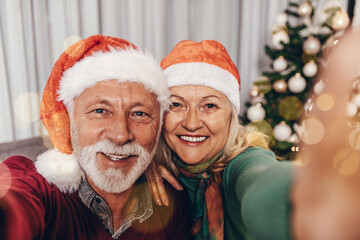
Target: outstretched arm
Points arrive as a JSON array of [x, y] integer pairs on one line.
[[326, 192]]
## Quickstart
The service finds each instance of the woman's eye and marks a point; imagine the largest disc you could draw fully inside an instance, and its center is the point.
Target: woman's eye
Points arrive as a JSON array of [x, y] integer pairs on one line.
[[210, 105]]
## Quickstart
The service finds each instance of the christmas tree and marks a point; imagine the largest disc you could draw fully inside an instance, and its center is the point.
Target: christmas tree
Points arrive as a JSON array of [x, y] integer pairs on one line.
[[279, 98]]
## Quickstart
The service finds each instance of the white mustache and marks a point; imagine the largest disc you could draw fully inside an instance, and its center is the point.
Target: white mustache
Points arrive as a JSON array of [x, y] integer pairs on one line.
[[106, 146]]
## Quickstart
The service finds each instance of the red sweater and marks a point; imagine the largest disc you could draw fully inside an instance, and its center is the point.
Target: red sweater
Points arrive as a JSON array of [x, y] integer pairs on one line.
[[34, 209]]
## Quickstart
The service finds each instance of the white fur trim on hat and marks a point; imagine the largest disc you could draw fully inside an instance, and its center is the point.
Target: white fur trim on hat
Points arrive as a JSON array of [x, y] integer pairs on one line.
[[61, 169], [200, 73], [121, 64]]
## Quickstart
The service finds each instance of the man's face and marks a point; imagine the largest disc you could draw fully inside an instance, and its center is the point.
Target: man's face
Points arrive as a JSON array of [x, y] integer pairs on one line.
[[114, 130]]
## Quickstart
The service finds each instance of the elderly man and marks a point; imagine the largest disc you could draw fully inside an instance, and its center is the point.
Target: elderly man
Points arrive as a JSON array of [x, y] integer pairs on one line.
[[103, 106]]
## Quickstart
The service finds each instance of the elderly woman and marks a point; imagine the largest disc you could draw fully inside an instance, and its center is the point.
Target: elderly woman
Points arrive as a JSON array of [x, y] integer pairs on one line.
[[237, 188], [223, 167]]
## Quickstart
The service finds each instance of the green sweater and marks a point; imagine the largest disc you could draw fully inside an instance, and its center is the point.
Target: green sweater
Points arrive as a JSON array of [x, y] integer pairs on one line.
[[256, 193]]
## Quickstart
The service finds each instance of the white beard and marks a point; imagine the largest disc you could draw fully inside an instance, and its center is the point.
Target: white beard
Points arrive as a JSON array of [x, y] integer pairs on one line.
[[111, 180]]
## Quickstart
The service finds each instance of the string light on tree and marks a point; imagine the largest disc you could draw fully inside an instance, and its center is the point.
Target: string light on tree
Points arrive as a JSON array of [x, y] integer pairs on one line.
[[282, 131], [297, 83], [310, 69], [280, 64]]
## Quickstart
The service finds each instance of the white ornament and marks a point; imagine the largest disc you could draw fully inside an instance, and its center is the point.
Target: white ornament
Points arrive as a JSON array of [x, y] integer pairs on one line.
[[281, 18], [282, 131], [319, 87], [278, 37], [305, 9], [256, 113], [311, 45], [280, 64], [351, 109], [297, 83], [258, 99], [340, 20], [310, 69], [356, 100]]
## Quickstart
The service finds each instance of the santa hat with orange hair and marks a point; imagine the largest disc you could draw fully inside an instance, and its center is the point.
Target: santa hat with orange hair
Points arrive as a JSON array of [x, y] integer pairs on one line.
[[205, 63], [81, 66]]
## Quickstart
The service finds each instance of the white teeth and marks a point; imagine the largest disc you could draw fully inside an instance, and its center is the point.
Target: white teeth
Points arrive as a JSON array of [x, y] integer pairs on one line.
[[193, 139], [115, 157]]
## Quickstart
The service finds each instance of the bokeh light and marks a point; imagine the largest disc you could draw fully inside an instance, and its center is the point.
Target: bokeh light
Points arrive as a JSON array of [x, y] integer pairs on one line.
[[70, 41], [75, 49], [354, 139], [313, 131], [302, 159], [5, 179], [346, 161], [325, 102], [27, 107], [45, 136]]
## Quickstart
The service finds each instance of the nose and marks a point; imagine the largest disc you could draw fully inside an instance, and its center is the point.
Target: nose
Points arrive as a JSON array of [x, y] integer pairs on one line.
[[192, 121], [119, 132]]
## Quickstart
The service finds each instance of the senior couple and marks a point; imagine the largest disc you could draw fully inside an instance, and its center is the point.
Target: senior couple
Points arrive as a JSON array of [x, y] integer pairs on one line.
[[110, 109]]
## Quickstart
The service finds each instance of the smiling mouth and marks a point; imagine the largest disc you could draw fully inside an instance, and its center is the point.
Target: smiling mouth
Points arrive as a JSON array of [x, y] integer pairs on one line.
[[117, 157], [192, 139]]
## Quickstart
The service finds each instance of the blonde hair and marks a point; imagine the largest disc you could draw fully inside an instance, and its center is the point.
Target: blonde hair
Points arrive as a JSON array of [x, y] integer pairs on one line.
[[239, 139]]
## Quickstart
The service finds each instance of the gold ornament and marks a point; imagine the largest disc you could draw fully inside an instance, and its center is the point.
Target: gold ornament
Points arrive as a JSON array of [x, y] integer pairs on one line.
[[264, 127], [291, 108], [311, 45], [263, 84], [280, 86], [340, 20], [305, 9]]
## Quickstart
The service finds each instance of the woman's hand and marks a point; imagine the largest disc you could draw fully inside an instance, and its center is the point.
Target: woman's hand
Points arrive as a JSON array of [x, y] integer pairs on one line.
[[326, 191], [155, 177]]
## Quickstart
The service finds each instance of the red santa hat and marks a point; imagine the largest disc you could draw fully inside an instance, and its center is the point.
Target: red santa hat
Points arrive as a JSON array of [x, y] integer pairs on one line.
[[204, 63], [81, 66]]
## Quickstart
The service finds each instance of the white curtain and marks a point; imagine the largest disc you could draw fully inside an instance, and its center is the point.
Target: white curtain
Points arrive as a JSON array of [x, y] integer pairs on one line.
[[33, 33]]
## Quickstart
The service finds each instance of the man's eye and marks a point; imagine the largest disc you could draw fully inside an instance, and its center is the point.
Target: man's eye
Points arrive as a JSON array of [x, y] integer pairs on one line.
[[175, 105], [100, 110], [141, 117], [140, 114]]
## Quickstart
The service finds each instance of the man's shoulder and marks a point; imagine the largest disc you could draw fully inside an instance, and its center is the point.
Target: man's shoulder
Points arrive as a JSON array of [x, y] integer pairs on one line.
[[19, 163]]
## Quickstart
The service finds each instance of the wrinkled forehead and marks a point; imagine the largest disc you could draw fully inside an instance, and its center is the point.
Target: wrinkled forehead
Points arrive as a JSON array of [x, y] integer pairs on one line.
[[114, 91]]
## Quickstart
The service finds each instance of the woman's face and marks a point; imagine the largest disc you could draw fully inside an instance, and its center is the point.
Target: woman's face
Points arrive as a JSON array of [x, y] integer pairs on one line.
[[197, 125]]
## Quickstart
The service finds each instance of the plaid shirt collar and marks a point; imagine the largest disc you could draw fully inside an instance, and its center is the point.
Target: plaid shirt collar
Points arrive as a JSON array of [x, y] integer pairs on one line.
[[141, 211]]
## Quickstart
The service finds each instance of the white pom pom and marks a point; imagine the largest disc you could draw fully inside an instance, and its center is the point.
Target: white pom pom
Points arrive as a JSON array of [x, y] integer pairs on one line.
[[61, 169]]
